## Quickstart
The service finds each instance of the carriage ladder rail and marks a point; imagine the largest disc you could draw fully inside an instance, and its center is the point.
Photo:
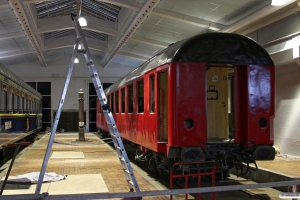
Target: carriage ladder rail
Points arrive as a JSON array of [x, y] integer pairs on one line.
[[117, 140]]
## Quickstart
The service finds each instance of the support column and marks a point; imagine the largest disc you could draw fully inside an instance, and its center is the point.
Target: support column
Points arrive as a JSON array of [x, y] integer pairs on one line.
[[81, 127]]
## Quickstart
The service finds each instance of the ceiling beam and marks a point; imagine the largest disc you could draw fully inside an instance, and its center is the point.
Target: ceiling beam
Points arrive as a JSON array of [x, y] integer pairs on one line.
[[136, 22], [33, 1], [5, 36], [271, 18], [15, 53], [64, 22], [254, 17], [20, 14], [150, 41], [69, 42]]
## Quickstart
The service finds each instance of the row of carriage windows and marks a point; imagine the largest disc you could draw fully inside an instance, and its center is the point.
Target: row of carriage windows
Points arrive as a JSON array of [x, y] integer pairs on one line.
[[120, 95], [11, 101]]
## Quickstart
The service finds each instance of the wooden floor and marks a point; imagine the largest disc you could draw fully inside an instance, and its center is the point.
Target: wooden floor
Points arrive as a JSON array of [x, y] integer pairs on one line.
[[99, 158]]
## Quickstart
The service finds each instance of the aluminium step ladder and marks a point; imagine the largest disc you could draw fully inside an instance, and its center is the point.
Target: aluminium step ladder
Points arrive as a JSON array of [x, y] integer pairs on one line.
[[131, 180]]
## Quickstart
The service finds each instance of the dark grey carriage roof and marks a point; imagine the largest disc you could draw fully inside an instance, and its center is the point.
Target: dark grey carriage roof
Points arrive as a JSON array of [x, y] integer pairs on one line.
[[213, 48], [11, 76]]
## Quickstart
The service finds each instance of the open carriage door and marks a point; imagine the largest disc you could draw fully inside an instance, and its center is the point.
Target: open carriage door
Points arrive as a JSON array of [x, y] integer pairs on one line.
[[163, 106]]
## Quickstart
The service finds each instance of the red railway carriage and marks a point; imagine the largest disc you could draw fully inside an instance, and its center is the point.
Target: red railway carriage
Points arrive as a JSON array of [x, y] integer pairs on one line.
[[209, 97]]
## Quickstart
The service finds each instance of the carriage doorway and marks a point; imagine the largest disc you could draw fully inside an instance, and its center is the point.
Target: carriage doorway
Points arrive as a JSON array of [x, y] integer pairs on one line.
[[220, 112], [163, 106]]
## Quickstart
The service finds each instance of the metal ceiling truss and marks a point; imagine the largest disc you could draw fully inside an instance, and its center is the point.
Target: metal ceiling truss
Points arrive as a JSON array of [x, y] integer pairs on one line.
[[92, 8], [54, 8], [87, 33], [58, 33], [20, 14], [141, 16], [105, 11]]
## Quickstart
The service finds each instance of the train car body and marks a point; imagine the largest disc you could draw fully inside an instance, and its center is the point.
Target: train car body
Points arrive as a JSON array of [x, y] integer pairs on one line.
[[209, 97], [20, 105]]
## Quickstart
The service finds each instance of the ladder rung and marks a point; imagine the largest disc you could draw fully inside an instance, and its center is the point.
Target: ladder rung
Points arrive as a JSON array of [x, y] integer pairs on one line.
[[108, 123], [94, 75], [120, 148], [131, 183], [123, 160], [126, 170]]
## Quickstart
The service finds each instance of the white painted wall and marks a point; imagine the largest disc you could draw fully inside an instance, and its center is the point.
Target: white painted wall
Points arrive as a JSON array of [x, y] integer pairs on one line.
[[287, 82], [56, 73]]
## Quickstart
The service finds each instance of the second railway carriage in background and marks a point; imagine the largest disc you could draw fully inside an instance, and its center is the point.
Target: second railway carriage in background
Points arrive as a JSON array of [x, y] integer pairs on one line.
[[20, 104], [209, 97]]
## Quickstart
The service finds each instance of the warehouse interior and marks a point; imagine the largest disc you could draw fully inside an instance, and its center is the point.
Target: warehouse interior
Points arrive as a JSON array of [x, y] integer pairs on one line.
[[37, 40]]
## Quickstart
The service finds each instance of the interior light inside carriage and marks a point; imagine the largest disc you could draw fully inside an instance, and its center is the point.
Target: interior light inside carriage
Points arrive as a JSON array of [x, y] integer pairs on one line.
[[220, 101]]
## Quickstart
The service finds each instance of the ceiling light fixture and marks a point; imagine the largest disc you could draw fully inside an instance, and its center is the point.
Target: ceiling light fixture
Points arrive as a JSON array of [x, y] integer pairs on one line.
[[82, 21], [76, 60], [79, 46], [278, 2]]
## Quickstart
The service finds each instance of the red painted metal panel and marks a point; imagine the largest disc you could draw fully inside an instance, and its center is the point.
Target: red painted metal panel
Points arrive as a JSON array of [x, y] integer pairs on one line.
[[261, 103], [189, 101], [240, 104], [254, 102], [140, 128]]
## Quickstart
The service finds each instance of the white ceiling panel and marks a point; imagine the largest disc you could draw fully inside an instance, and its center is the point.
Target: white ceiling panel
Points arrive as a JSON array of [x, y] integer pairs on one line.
[[130, 44], [127, 61], [9, 45], [167, 30], [23, 43], [17, 60], [145, 50], [32, 57], [117, 58]]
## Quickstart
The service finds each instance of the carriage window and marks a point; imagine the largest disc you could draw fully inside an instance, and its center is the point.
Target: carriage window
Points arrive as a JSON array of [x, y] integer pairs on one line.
[[117, 101], [152, 103], [123, 100], [20, 103], [112, 103], [140, 96], [3, 94], [15, 103], [130, 98]]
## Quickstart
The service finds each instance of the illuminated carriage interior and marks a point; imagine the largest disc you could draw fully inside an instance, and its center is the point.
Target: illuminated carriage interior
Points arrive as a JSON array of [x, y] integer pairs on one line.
[[220, 100]]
